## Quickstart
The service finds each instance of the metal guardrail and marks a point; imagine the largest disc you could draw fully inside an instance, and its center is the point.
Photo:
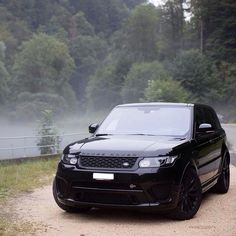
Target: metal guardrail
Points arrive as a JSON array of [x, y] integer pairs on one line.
[[26, 146]]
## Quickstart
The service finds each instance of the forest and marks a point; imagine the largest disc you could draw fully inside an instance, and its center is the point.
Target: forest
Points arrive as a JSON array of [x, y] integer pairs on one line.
[[75, 56]]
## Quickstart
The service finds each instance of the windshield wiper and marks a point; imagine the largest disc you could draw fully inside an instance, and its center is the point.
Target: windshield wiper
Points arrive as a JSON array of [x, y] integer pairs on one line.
[[179, 138], [102, 135], [143, 134]]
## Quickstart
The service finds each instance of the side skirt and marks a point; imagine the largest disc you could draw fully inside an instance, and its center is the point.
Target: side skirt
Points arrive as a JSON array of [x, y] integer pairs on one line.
[[209, 184]]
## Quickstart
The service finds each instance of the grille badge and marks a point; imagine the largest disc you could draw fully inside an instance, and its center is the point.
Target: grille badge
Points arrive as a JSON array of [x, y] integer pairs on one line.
[[132, 186], [125, 164]]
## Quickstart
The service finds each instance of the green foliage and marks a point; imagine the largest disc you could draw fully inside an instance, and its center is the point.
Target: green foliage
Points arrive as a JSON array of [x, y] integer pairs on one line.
[[105, 16], [193, 70], [31, 105], [44, 64], [104, 52], [20, 176], [2, 50], [216, 20], [142, 33], [224, 89], [85, 46], [4, 78], [88, 52], [132, 3], [103, 90], [83, 27], [165, 91], [173, 26], [49, 141], [137, 79]]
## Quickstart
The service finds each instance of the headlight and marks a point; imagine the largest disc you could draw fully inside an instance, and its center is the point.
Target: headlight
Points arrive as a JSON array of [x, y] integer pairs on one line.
[[69, 159], [156, 161]]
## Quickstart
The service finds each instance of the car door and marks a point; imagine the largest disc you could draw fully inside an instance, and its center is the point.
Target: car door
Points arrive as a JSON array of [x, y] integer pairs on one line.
[[207, 149], [218, 138]]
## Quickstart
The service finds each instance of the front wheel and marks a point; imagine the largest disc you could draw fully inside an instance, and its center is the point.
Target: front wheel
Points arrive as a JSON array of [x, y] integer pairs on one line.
[[190, 196], [69, 209]]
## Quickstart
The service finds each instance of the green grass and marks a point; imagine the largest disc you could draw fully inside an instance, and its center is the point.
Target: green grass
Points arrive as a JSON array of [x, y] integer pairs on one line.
[[17, 177]]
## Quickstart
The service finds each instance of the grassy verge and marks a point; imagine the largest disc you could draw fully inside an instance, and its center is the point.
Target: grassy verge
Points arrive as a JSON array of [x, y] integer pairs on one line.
[[18, 177]]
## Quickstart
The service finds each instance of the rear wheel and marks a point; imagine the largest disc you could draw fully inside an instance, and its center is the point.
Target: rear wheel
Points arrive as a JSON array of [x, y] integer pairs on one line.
[[64, 207], [190, 196], [222, 185]]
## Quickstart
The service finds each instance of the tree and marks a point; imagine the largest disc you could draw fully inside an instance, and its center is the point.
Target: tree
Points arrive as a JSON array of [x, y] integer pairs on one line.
[[166, 90], [216, 22], [83, 27], [193, 70], [137, 79], [132, 3], [141, 31], [224, 89], [49, 141], [105, 16], [44, 64], [4, 76], [13, 31], [173, 26], [103, 90], [30, 105], [88, 52]]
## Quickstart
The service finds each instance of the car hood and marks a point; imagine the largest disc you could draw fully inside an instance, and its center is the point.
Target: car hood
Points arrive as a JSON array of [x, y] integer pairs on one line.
[[126, 145]]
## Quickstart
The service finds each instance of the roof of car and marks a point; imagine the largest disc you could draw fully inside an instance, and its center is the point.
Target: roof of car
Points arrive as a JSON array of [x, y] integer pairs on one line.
[[155, 104]]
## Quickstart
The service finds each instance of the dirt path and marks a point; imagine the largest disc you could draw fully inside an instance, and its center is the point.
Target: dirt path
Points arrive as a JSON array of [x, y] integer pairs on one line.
[[217, 216]]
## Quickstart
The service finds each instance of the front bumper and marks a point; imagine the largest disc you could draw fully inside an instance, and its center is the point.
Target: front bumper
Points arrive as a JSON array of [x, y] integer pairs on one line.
[[144, 188]]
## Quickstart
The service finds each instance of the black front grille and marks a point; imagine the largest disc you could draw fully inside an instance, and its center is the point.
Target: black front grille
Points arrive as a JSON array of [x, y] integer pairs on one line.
[[107, 162]]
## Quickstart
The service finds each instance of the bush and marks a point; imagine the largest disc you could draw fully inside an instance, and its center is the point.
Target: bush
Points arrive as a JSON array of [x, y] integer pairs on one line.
[[138, 77], [165, 91], [49, 141], [30, 106], [193, 70]]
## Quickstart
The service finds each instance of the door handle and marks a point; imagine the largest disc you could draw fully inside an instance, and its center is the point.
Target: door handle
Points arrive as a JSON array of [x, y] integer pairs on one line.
[[212, 141]]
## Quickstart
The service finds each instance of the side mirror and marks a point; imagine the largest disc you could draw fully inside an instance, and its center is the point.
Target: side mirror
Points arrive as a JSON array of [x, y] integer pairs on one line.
[[92, 128], [205, 127]]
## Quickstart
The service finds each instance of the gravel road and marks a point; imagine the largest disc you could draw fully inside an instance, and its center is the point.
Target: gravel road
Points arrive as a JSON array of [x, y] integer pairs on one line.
[[216, 216]]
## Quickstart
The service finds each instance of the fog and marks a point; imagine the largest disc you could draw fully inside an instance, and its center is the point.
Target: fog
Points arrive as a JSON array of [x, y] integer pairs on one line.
[[15, 135], [18, 138]]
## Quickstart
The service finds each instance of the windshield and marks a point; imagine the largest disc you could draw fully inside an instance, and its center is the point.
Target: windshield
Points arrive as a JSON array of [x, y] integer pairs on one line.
[[147, 120]]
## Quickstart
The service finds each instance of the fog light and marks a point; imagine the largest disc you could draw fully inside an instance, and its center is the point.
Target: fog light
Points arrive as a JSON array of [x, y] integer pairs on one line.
[[73, 161]]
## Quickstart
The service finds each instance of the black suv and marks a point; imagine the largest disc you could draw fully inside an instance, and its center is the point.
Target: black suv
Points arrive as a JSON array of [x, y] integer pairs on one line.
[[149, 156]]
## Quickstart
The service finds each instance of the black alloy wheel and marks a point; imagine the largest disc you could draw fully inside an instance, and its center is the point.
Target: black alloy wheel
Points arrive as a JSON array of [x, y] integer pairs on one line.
[[222, 185], [190, 196]]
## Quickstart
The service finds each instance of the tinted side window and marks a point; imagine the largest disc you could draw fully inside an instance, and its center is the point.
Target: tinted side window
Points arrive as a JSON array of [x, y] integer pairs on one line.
[[209, 117], [199, 117], [215, 119], [206, 115]]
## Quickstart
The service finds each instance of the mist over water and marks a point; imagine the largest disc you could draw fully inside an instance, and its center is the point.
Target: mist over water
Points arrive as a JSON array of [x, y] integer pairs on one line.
[[21, 133], [16, 134]]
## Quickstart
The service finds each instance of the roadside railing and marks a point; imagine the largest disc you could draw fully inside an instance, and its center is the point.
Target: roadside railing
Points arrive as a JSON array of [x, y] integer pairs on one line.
[[26, 146]]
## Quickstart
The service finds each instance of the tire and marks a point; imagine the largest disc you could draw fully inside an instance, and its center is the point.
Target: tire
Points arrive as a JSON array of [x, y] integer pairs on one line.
[[69, 209], [190, 196], [222, 185]]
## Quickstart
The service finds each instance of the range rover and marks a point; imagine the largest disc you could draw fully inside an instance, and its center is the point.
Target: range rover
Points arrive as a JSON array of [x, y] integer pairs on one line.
[[148, 156]]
